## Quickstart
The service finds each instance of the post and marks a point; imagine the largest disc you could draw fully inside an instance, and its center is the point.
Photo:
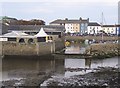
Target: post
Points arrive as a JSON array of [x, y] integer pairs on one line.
[[1, 56], [37, 48], [0, 71]]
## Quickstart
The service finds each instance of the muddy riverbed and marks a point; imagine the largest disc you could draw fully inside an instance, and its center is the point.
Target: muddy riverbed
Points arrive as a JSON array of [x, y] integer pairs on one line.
[[102, 78]]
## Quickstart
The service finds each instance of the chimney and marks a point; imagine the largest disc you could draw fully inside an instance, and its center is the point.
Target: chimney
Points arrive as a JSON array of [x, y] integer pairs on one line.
[[80, 18], [66, 18]]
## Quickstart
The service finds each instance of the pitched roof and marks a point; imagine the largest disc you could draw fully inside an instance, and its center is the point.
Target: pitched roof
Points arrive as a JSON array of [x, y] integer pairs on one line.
[[93, 24], [58, 21], [108, 26], [15, 34], [55, 28], [41, 33]]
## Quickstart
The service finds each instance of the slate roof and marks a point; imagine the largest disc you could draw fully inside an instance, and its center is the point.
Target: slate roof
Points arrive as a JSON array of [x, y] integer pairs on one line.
[[36, 28], [108, 26], [93, 24], [58, 21]]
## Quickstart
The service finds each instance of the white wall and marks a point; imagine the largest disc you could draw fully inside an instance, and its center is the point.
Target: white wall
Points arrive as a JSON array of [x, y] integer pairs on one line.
[[111, 30], [92, 28]]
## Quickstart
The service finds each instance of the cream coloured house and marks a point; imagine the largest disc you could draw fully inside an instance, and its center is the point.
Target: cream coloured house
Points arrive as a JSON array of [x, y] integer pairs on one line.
[[73, 25]]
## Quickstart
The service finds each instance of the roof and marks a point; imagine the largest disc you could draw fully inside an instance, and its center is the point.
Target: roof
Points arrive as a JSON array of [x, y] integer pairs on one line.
[[15, 34], [108, 26], [57, 28], [93, 24], [41, 33], [58, 21], [118, 25]]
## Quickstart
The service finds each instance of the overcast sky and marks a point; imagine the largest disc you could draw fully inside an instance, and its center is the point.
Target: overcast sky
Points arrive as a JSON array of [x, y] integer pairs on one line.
[[49, 10]]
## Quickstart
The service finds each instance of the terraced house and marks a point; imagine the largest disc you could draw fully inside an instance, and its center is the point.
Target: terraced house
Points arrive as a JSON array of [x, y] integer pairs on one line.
[[110, 29], [73, 25], [94, 28]]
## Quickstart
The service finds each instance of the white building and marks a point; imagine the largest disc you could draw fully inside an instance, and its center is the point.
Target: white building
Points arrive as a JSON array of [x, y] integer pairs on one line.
[[110, 29], [94, 28]]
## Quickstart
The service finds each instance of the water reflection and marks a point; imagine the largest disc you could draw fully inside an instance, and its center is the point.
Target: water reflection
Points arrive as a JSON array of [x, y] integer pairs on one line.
[[107, 62], [90, 64], [74, 63], [13, 68]]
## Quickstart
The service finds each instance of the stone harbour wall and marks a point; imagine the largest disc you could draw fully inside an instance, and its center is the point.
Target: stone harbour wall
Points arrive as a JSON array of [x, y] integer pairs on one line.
[[41, 48]]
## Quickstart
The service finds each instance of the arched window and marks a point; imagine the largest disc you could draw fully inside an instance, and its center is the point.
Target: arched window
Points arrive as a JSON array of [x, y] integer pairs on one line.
[[51, 37], [21, 40], [30, 41]]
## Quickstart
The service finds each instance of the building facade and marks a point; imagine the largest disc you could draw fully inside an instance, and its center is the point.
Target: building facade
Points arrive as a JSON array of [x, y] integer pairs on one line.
[[94, 28], [73, 26], [110, 29]]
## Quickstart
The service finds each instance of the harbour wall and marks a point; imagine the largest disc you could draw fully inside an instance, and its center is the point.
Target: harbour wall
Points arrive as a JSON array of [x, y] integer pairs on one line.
[[37, 49]]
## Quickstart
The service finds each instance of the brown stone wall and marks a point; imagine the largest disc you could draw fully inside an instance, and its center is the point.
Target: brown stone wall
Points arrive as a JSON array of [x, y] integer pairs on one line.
[[42, 48]]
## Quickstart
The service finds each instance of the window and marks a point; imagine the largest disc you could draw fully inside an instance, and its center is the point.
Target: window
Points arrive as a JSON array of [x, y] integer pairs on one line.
[[12, 39], [111, 31], [30, 41], [41, 39], [82, 24], [76, 28], [59, 36], [21, 40], [50, 38]]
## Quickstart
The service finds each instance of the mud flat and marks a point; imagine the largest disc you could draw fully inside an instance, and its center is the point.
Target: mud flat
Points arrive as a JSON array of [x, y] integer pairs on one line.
[[28, 79], [105, 77]]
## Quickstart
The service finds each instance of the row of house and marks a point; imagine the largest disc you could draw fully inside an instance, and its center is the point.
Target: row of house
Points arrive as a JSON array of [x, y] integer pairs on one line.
[[84, 26], [80, 26]]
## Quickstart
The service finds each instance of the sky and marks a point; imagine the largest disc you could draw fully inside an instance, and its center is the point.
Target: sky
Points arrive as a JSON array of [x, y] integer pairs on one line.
[[50, 10]]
